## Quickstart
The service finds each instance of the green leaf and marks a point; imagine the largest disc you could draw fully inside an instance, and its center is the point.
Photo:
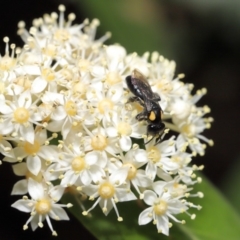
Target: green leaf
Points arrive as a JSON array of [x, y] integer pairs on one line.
[[231, 183], [217, 220]]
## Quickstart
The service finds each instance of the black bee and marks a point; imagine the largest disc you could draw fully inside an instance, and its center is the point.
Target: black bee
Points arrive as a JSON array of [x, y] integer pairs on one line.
[[152, 111]]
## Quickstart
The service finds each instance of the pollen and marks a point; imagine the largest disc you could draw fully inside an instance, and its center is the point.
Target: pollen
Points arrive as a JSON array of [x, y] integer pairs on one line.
[[43, 206], [6, 63], [48, 74], [84, 65], [113, 78], [31, 149], [124, 129], [80, 88], [99, 142], [105, 105], [67, 74], [106, 190], [160, 207], [164, 85], [132, 172], [23, 81], [154, 154], [21, 115], [78, 164], [61, 35], [50, 50], [152, 116], [189, 130], [70, 108]]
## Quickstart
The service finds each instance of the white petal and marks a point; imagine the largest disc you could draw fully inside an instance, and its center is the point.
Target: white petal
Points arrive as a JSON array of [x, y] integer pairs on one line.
[[97, 173], [20, 187], [35, 189], [20, 169], [119, 176], [55, 126], [91, 190], [168, 164], [5, 109], [41, 136], [59, 113], [66, 128], [115, 51], [38, 85], [6, 127], [109, 205], [27, 133], [69, 178], [144, 216], [162, 224], [25, 100], [34, 222], [91, 158], [125, 143], [56, 192], [151, 170], [61, 213], [98, 71], [85, 177], [20, 152], [22, 205], [48, 152], [163, 175], [159, 187], [10, 159], [115, 92], [141, 155], [111, 132], [34, 164], [149, 197], [124, 195], [142, 180]]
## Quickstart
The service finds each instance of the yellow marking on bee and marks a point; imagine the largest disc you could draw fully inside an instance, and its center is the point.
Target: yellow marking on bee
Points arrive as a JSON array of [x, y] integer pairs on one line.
[[152, 116]]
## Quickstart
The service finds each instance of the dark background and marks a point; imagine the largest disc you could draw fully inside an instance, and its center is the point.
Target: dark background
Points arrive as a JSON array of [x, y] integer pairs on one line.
[[205, 42]]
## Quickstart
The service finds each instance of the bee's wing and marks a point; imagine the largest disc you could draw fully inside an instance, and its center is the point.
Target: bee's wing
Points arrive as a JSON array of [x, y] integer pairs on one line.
[[145, 87], [148, 104], [140, 76]]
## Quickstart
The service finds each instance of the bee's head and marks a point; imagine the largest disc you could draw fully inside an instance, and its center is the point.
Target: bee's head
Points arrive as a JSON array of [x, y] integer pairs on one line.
[[155, 129]]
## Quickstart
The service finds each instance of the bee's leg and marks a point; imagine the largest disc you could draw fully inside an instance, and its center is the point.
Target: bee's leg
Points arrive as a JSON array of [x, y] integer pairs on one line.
[[136, 99], [149, 140], [133, 99], [156, 97], [158, 140], [142, 115], [160, 134]]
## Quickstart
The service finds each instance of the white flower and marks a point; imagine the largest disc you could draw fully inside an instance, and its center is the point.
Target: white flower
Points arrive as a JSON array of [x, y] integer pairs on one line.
[[162, 208], [109, 190], [100, 145], [135, 159], [77, 168], [34, 152], [19, 116], [42, 205], [103, 101], [190, 131], [159, 159], [68, 111], [124, 126]]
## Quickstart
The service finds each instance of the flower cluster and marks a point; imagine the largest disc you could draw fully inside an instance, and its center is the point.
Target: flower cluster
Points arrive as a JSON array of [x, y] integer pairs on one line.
[[66, 122]]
